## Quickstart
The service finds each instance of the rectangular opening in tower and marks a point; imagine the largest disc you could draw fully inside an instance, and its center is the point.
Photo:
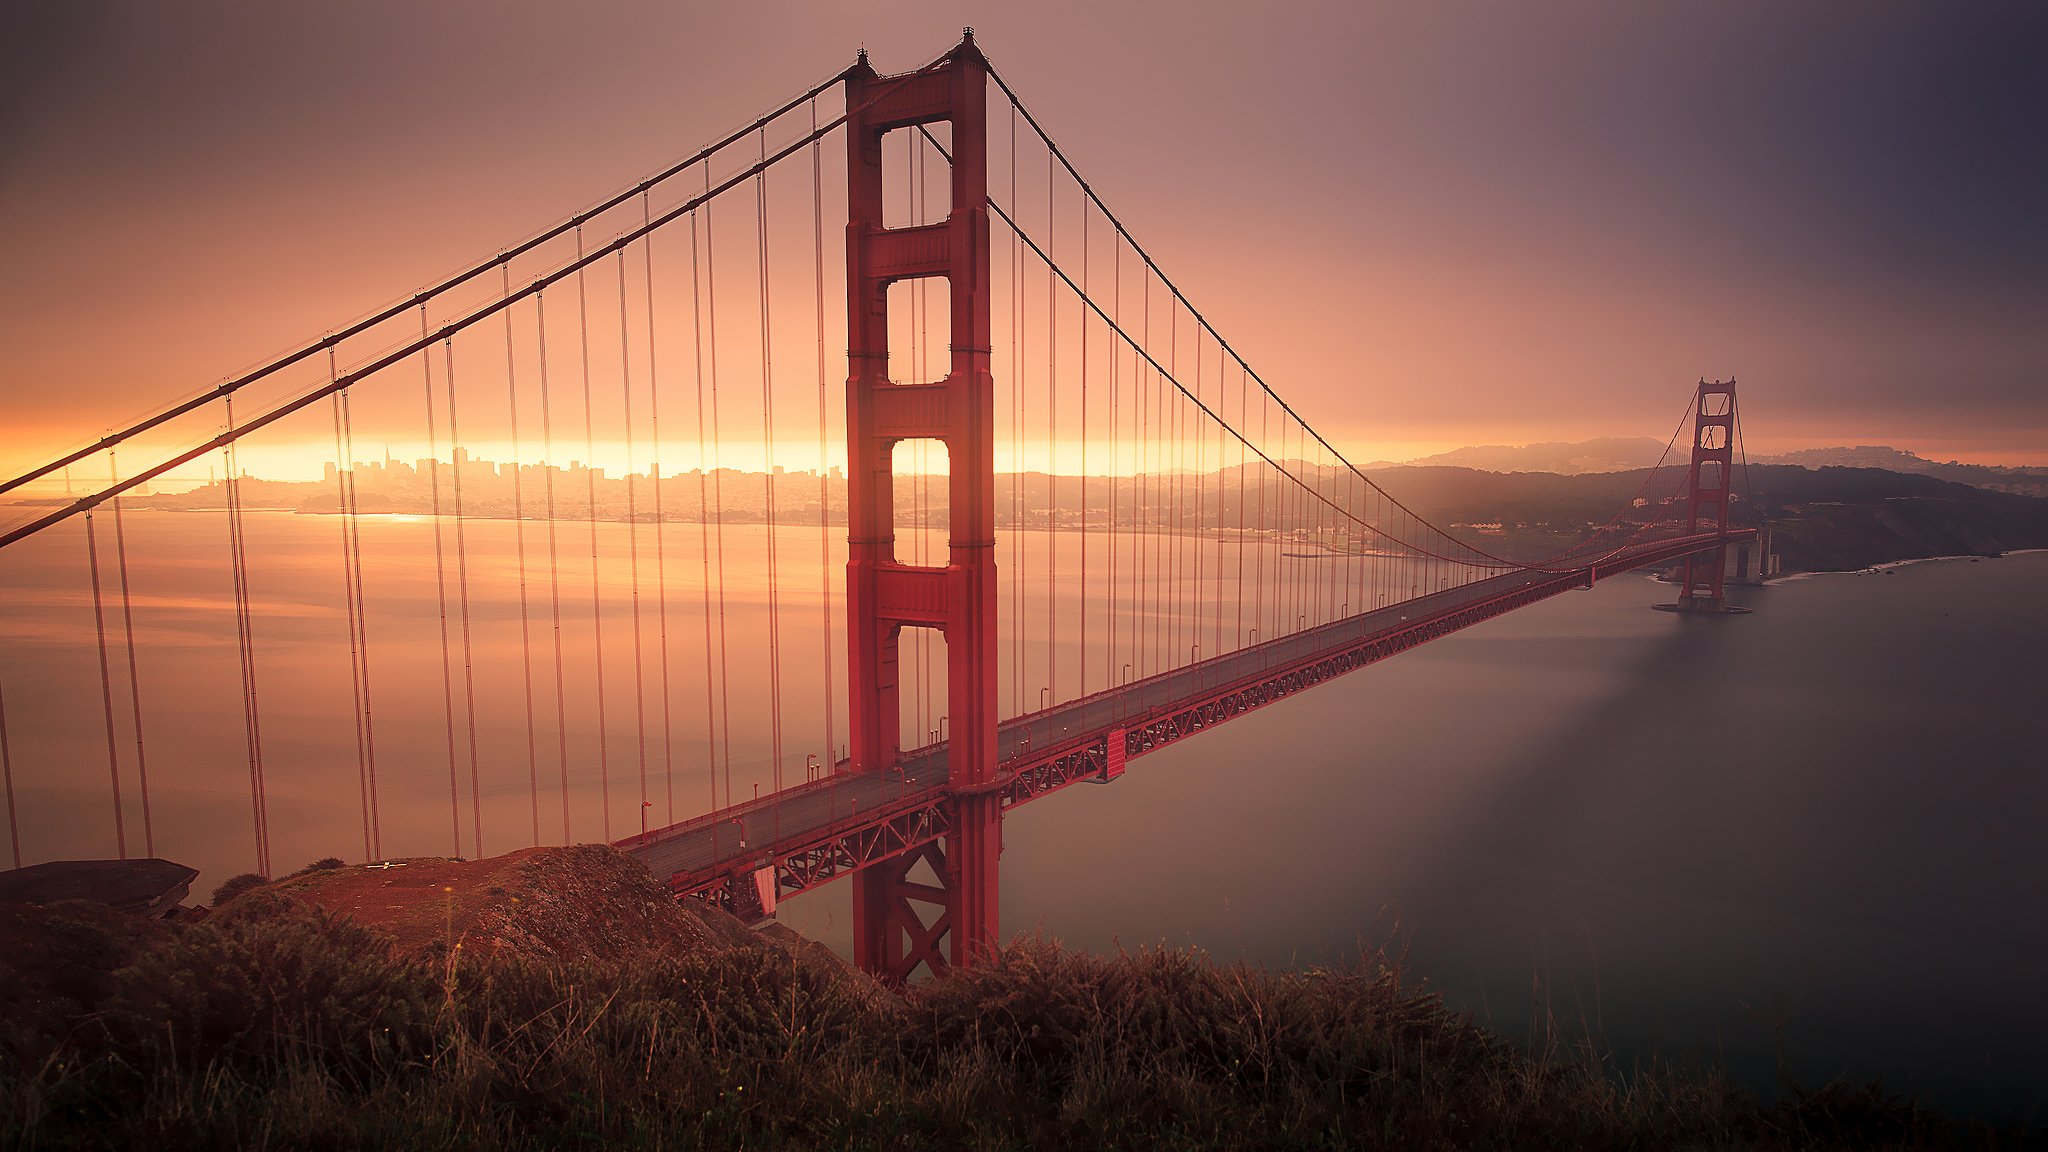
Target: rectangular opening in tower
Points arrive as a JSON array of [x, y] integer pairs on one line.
[[923, 513], [917, 178], [920, 330], [922, 702]]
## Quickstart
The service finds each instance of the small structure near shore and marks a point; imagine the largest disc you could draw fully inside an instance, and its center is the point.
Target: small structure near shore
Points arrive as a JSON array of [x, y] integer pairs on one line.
[[151, 887]]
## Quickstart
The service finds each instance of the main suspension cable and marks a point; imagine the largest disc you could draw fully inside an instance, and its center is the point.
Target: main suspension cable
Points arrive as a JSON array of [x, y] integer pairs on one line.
[[1055, 271], [412, 346], [1055, 151], [398, 308]]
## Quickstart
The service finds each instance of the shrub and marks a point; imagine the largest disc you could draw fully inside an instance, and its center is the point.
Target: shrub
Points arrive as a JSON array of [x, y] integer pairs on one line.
[[234, 886], [269, 979]]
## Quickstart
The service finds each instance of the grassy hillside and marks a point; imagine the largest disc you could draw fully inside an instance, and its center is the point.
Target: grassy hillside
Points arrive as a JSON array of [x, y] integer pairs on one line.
[[279, 1022]]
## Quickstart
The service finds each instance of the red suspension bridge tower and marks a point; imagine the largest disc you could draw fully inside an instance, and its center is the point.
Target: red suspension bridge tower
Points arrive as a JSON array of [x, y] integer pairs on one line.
[[885, 595], [1707, 491]]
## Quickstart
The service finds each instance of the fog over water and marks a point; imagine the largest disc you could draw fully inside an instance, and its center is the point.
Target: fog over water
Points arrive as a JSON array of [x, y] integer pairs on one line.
[[1810, 832]]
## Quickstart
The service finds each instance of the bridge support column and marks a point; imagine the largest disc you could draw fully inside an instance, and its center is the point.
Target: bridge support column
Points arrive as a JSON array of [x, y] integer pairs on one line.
[[884, 595], [1707, 495]]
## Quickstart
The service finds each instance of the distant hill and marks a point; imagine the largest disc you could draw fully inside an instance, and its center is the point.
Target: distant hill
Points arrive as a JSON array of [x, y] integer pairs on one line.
[[1627, 453], [1825, 519], [2025, 481], [1607, 454]]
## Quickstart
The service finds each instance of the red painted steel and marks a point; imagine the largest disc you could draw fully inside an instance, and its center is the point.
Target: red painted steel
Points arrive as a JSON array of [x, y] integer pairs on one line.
[[916, 813], [1713, 449], [885, 596]]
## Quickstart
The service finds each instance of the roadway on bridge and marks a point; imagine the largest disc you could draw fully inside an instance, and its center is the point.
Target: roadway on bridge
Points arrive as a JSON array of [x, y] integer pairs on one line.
[[753, 830]]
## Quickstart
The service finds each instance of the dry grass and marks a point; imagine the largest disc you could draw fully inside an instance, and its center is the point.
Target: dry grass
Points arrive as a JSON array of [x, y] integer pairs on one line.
[[276, 1023]]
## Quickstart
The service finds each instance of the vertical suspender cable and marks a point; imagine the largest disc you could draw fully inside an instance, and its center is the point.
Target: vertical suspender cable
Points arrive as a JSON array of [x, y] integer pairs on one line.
[[768, 480], [1174, 439], [1258, 574], [246, 646], [704, 507], [1238, 521], [134, 673], [668, 749], [1016, 446], [352, 522], [1081, 586], [458, 458], [604, 767], [547, 469], [1116, 290], [633, 534], [1052, 444], [1150, 546], [7, 771], [824, 460], [342, 467], [99, 621], [519, 547], [920, 639], [1144, 572], [717, 486], [441, 590], [1201, 488]]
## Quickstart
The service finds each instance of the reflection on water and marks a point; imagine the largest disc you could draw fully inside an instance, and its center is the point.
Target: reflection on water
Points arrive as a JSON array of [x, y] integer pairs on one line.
[[1815, 829], [681, 720], [1809, 831]]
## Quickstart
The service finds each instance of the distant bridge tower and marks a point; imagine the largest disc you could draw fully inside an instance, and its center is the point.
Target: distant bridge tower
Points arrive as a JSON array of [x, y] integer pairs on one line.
[[884, 595], [1713, 438]]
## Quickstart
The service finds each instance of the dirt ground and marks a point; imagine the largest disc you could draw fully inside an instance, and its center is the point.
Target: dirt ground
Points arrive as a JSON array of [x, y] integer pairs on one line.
[[545, 903]]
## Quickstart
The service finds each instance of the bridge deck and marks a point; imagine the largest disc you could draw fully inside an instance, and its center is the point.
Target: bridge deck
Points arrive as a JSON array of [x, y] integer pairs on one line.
[[815, 831]]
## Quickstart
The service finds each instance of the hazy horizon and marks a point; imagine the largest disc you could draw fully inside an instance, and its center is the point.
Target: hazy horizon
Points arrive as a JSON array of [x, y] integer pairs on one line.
[[1431, 228]]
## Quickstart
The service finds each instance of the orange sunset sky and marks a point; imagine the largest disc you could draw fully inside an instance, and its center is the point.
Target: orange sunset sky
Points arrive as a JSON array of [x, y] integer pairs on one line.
[[1426, 225]]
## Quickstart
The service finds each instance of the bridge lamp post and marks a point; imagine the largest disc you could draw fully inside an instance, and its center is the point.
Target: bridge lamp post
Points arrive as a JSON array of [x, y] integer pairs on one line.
[[945, 732], [1044, 697], [1127, 671], [812, 766], [644, 806]]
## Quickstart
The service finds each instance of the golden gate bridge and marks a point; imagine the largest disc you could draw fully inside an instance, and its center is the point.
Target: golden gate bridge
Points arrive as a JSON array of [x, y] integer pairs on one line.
[[1074, 526]]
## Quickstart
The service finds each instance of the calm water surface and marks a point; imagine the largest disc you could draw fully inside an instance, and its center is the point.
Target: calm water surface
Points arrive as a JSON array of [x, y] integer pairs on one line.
[[1811, 835], [1809, 838]]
